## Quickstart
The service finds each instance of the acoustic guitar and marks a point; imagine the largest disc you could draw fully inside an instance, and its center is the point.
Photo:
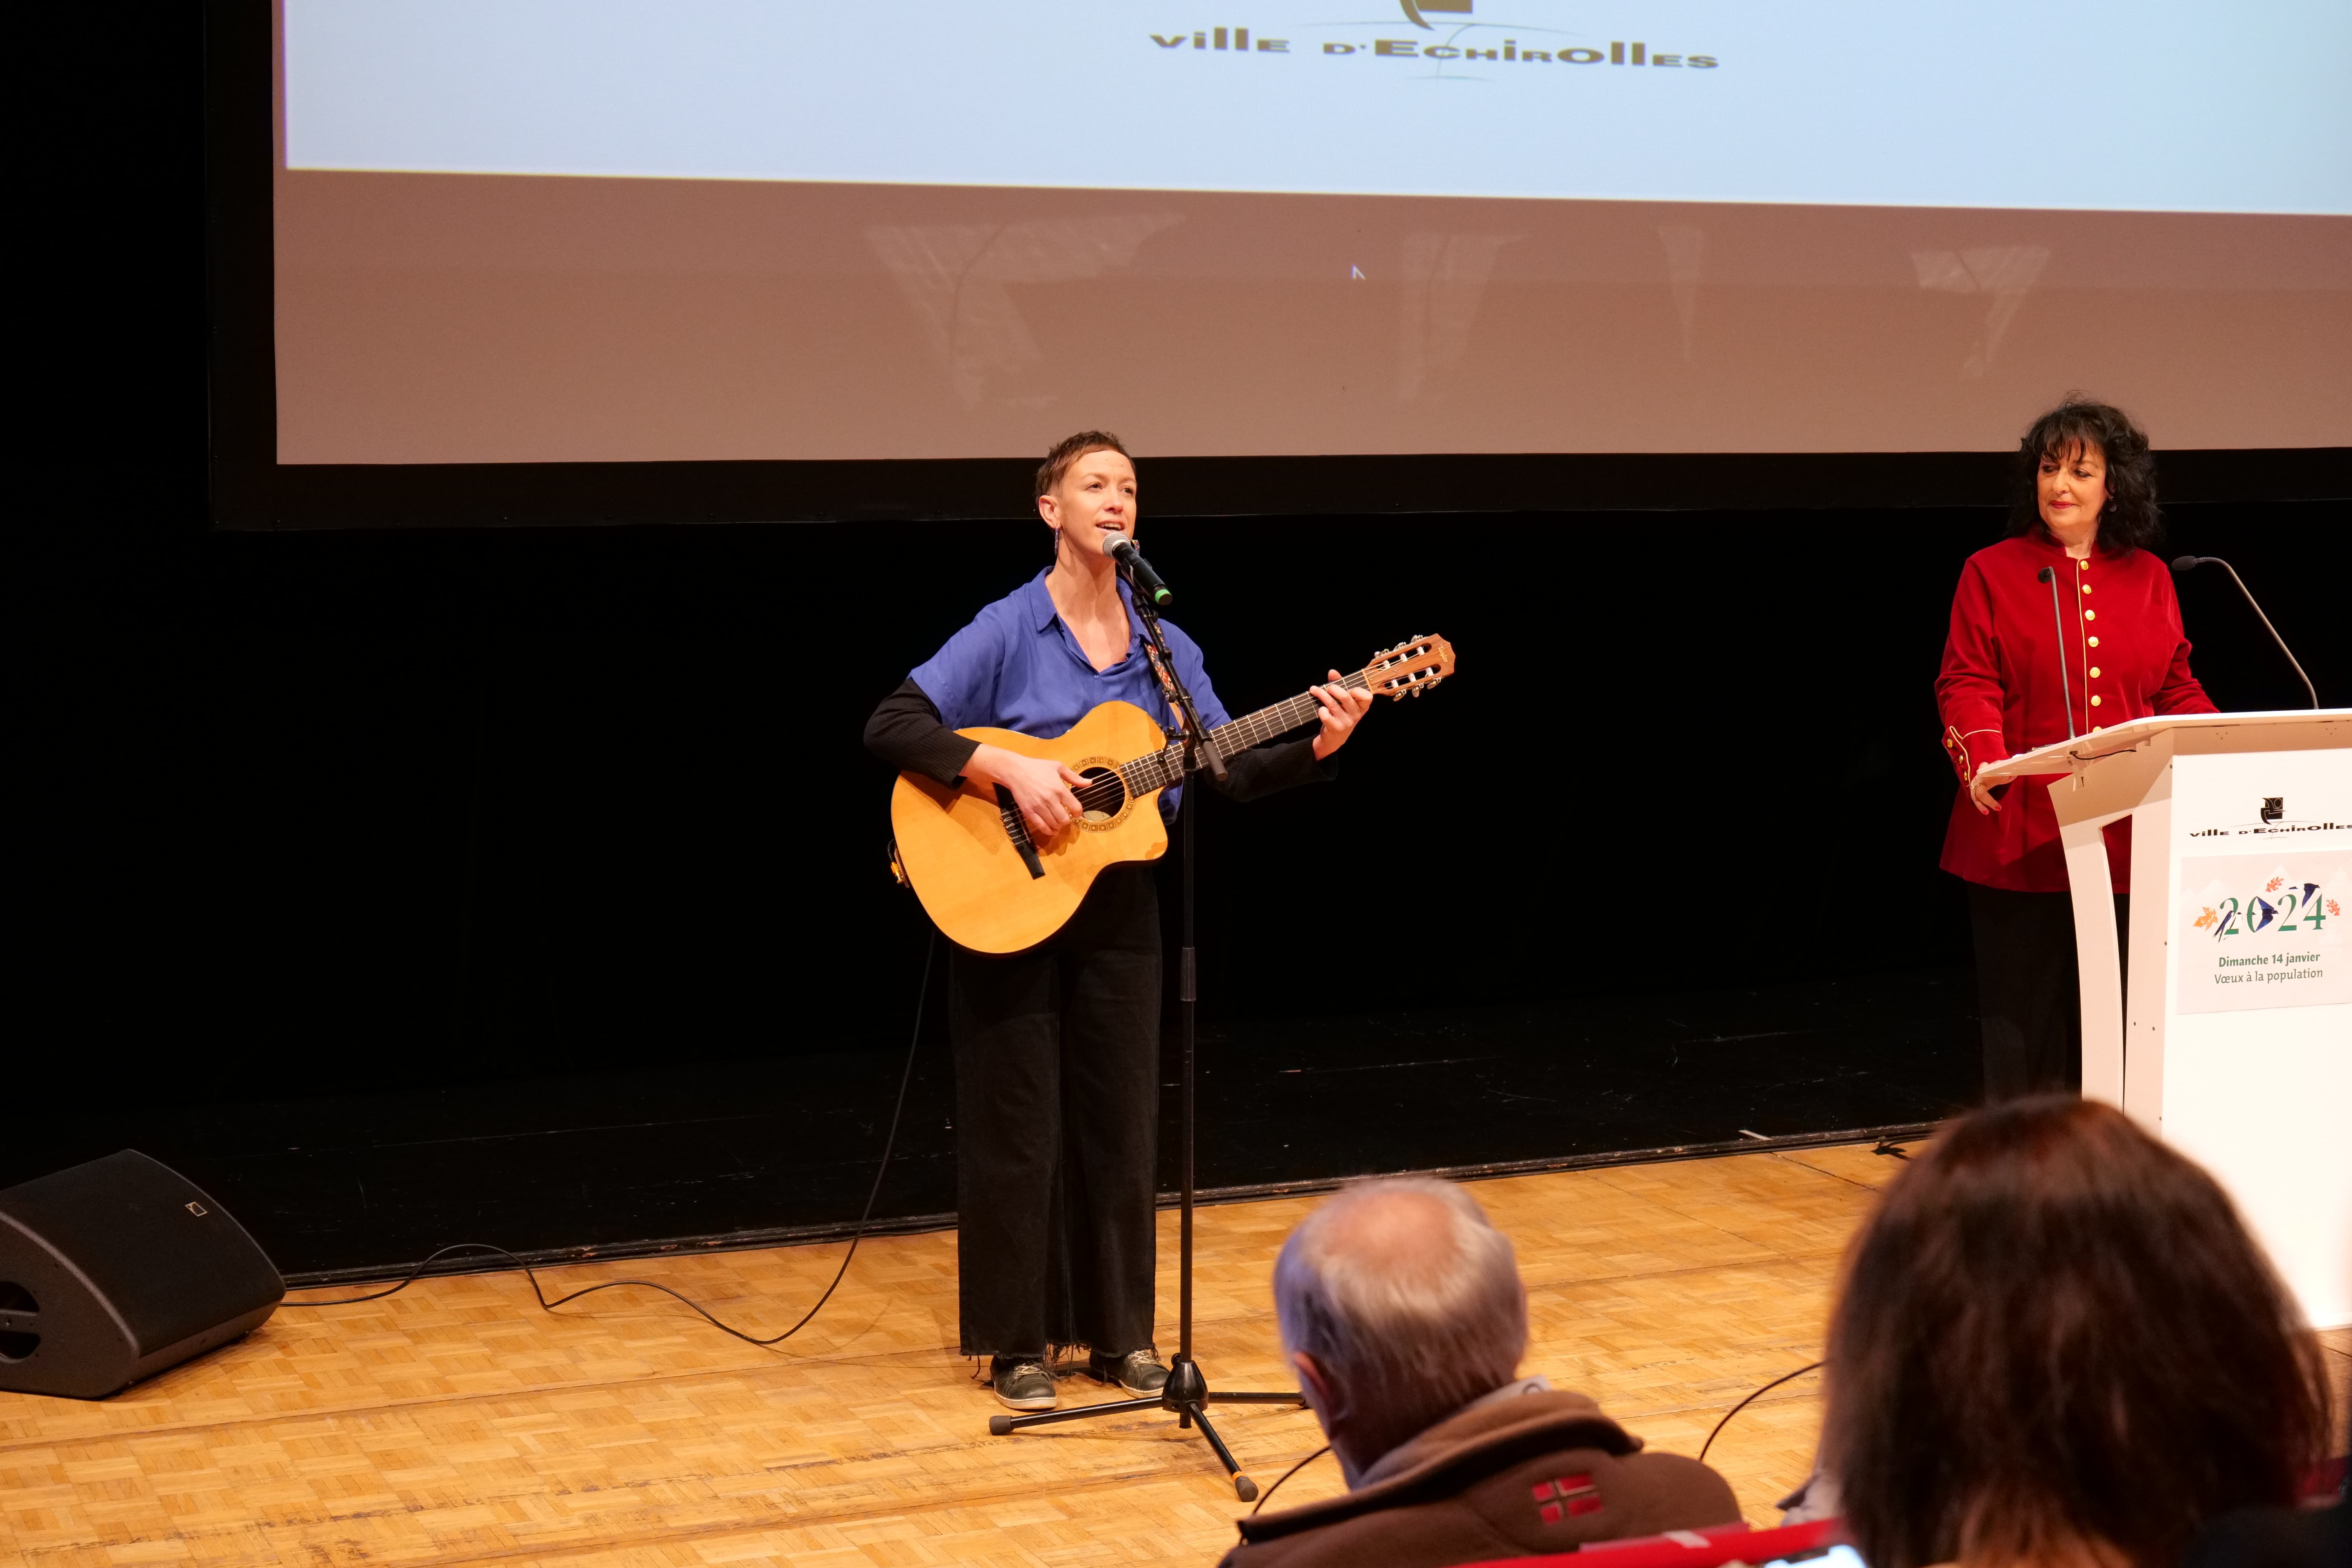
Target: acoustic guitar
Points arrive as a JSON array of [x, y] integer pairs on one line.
[[990, 889]]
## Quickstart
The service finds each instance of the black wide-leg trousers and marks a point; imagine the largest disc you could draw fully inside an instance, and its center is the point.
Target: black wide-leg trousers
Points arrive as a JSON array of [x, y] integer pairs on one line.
[[1057, 1116], [2028, 991]]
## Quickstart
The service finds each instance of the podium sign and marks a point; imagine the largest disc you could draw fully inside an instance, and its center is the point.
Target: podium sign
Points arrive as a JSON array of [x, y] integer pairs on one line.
[[2273, 928], [2234, 1042]]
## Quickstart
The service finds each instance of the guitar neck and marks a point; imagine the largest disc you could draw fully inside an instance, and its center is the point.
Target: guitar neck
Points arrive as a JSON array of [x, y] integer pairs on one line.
[[1165, 767], [1256, 728]]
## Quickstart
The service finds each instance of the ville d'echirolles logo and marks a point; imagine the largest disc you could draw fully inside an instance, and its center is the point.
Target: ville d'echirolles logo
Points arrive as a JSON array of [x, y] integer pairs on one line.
[[1462, 39]]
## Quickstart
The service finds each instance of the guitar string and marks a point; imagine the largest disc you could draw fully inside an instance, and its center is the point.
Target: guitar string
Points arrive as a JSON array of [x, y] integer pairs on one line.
[[1249, 731], [1156, 770]]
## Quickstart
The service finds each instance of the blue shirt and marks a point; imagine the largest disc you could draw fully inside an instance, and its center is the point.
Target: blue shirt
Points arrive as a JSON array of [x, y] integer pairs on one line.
[[1018, 667]]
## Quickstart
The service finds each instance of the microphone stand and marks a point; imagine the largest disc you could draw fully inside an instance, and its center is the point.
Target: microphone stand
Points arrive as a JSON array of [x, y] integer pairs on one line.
[[1188, 1395], [2189, 564], [2065, 687]]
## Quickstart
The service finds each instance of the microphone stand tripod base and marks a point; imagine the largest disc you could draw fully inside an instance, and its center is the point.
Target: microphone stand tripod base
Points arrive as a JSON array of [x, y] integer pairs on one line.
[[1187, 1397]]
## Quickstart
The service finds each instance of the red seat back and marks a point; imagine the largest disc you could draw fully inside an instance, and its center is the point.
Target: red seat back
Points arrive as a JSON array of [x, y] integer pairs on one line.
[[1709, 1548]]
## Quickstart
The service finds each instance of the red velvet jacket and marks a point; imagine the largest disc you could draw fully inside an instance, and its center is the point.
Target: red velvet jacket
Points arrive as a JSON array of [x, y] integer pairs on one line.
[[1999, 690]]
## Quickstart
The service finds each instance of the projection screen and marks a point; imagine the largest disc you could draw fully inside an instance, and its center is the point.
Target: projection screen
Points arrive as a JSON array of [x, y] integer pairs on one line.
[[530, 231]]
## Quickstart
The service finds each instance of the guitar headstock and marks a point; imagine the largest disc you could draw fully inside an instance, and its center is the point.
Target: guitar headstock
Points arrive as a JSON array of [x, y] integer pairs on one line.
[[1411, 668]]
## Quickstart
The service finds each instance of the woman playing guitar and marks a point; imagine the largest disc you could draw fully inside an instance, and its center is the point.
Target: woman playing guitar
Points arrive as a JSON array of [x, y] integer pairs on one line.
[[1057, 1048]]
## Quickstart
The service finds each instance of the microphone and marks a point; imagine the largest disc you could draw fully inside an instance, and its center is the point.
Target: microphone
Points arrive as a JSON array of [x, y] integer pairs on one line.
[[2183, 566], [2066, 688], [1122, 549]]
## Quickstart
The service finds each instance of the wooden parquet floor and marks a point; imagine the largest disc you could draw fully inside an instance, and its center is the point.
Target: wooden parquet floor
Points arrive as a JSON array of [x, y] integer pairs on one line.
[[457, 1423]]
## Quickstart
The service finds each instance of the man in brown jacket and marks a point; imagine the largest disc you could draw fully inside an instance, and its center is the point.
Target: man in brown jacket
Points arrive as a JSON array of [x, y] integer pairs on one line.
[[1402, 1312]]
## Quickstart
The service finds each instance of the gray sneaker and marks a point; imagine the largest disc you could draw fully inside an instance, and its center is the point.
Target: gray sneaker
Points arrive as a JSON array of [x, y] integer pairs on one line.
[[1137, 1371], [1020, 1383]]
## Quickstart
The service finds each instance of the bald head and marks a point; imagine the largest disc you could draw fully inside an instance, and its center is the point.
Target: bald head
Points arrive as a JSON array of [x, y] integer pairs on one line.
[[1403, 1290], [1400, 1230]]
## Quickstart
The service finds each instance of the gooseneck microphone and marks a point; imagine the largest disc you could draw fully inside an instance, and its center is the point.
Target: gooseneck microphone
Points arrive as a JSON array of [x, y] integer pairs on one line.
[[2065, 687], [1122, 549], [2184, 564]]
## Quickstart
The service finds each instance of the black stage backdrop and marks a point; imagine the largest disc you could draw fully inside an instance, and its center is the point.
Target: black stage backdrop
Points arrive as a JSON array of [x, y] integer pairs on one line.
[[527, 886]]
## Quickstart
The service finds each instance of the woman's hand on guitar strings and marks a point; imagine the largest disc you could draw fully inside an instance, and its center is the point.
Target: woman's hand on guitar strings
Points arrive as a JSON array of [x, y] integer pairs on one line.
[[1343, 707], [1039, 787]]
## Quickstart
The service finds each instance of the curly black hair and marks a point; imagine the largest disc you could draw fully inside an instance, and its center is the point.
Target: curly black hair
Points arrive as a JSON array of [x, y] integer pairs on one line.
[[2130, 518]]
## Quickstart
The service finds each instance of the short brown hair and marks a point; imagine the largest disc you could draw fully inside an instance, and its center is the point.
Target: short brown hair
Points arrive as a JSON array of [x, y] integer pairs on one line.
[[1068, 450], [2055, 1332]]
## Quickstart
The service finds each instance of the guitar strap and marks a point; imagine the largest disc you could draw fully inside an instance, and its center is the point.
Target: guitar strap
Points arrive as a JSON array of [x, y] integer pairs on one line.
[[1167, 687]]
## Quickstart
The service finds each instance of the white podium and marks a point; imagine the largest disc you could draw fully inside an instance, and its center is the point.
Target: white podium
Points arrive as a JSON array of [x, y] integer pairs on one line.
[[2235, 1040]]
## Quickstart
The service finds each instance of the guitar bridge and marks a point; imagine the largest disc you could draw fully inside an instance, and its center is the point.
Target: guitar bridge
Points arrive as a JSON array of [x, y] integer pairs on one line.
[[1017, 829]]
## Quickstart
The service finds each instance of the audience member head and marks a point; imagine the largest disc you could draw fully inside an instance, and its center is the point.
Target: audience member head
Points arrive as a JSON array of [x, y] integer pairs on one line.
[[2055, 1343], [1400, 1303]]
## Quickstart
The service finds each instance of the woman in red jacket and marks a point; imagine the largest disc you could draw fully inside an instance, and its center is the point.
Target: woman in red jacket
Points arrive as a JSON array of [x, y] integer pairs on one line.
[[2085, 506]]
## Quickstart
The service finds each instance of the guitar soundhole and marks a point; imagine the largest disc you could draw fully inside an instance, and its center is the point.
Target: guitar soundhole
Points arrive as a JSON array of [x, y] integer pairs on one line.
[[1102, 795]]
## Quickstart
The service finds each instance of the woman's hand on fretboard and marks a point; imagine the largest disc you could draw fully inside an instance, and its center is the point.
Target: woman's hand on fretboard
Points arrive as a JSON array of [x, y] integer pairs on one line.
[[1343, 707]]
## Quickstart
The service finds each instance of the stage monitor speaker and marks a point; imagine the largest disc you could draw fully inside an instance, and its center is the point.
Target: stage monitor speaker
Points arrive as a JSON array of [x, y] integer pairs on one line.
[[111, 1271]]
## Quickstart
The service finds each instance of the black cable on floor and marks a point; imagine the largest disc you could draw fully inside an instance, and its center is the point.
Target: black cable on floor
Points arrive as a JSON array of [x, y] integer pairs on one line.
[[1751, 1399], [1287, 1475], [1702, 1448], [906, 1077]]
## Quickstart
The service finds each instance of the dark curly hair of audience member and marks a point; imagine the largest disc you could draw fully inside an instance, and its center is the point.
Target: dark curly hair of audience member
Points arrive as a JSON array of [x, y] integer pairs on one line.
[[2055, 1342], [2130, 517]]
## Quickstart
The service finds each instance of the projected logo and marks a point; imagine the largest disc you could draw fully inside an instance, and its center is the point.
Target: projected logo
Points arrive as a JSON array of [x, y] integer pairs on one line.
[[961, 278], [1412, 13]]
